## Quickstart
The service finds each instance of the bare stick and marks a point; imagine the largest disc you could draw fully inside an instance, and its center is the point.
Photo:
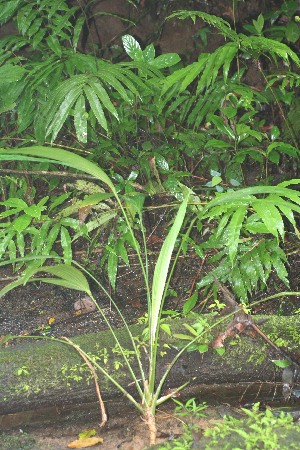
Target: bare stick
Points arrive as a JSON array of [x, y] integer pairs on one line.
[[90, 366]]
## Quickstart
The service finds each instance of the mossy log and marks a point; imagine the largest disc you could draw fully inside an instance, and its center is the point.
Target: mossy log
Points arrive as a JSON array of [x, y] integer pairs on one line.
[[36, 374]]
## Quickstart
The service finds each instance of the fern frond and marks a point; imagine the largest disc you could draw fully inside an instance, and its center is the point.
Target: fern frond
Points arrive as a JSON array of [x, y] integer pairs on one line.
[[96, 89], [260, 44], [222, 25], [254, 263], [268, 213], [8, 9]]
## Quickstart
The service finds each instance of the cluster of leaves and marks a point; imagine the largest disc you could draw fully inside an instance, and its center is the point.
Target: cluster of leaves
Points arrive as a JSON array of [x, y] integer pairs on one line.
[[258, 429], [33, 232], [54, 87]]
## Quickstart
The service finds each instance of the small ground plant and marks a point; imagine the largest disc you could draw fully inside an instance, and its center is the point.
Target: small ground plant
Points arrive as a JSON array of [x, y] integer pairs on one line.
[[258, 430]]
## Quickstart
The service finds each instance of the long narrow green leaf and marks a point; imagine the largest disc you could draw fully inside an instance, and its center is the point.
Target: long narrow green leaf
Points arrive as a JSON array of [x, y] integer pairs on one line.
[[96, 106], [63, 112], [80, 119], [68, 274], [250, 192], [66, 244], [162, 268], [103, 96], [63, 157]]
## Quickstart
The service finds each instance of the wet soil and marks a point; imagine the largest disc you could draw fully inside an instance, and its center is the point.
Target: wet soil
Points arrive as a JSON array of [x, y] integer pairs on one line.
[[123, 431]]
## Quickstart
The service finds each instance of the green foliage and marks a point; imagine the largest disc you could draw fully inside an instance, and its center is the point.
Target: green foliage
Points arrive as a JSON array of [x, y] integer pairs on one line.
[[147, 56], [166, 126], [29, 230], [259, 430], [190, 408], [252, 268], [70, 277], [266, 430], [44, 23]]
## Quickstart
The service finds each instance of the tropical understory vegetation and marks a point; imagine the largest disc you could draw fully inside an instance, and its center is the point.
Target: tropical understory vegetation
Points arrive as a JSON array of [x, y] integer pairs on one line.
[[89, 146]]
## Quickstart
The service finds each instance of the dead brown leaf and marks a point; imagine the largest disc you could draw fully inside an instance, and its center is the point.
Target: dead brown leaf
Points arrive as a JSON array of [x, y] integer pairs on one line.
[[85, 442]]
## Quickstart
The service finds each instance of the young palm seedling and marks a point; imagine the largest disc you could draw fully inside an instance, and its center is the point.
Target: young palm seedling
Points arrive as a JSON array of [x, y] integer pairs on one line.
[[234, 206]]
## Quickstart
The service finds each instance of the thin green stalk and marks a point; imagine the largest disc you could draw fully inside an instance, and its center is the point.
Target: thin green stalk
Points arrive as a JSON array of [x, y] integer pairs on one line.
[[113, 333], [146, 280]]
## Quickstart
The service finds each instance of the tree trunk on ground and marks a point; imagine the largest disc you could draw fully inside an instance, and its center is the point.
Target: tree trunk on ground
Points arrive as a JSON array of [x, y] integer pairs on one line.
[[35, 374]]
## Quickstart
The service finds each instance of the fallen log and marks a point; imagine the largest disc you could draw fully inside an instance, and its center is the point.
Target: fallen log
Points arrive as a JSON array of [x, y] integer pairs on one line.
[[36, 374]]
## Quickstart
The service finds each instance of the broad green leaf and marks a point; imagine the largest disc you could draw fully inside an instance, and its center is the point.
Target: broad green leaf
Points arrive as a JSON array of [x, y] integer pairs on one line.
[[11, 286], [270, 216], [192, 71], [248, 194], [190, 303], [236, 279], [184, 337], [233, 231], [94, 199], [59, 200], [216, 143], [112, 80], [121, 251], [254, 225], [167, 60], [34, 211], [15, 203], [283, 147], [166, 328], [162, 268], [132, 48], [231, 52], [185, 75], [215, 181], [134, 203], [282, 363], [21, 222], [102, 219], [190, 329], [292, 32], [280, 268], [34, 27], [72, 223], [202, 348], [10, 212], [10, 73], [59, 282], [149, 53], [257, 264]]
